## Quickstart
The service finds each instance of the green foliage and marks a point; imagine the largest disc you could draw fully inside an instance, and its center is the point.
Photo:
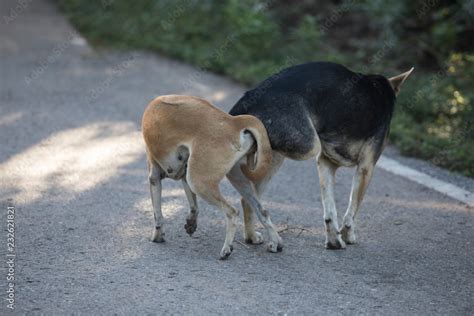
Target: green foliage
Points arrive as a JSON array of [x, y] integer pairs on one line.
[[427, 31], [435, 115], [250, 40]]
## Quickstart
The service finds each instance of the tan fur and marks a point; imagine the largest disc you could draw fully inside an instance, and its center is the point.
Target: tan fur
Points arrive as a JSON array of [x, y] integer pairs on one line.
[[214, 143], [213, 136]]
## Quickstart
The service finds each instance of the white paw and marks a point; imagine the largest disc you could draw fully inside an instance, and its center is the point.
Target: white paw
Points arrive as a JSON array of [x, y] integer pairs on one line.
[[158, 235], [275, 246], [256, 239], [335, 242], [225, 252], [348, 235]]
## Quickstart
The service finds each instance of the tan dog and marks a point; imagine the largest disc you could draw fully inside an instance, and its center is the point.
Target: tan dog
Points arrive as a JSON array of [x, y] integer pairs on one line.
[[189, 139]]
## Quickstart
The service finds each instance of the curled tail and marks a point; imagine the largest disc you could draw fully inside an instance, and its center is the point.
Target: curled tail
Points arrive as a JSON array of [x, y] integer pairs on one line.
[[256, 169]]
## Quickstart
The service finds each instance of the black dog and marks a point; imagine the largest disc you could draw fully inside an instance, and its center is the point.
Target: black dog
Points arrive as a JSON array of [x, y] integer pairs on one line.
[[326, 111]]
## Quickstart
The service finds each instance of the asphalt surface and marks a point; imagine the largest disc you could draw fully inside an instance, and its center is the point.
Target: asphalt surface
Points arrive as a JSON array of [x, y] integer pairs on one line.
[[72, 165]]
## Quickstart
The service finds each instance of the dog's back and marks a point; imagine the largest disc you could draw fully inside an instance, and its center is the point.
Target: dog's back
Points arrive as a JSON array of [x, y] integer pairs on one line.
[[321, 99], [176, 127], [172, 120]]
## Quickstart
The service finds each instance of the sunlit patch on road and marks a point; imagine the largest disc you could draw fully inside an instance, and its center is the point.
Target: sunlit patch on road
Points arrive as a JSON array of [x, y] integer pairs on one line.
[[71, 161]]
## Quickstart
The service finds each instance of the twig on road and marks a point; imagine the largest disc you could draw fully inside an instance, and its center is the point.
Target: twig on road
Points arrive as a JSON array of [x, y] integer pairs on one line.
[[238, 241], [288, 228]]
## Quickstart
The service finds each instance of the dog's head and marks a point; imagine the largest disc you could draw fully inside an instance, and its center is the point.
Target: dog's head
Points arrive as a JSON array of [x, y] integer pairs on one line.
[[397, 81]]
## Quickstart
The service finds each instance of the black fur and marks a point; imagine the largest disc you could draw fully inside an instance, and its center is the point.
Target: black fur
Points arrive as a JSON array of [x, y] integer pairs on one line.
[[341, 106]]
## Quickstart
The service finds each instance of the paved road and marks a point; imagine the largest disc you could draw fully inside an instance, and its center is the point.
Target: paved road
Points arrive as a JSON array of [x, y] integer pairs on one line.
[[72, 164]]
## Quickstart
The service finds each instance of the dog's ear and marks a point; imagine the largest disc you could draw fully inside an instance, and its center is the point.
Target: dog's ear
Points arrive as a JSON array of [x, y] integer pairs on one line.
[[397, 81]]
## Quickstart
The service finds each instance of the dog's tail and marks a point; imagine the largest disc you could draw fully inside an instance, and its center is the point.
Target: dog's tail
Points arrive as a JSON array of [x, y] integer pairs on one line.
[[257, 165]]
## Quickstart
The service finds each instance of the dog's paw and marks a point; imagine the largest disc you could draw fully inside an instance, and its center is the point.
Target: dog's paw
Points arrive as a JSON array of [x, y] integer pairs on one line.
[[256, 239], [190, 226], [348, 235], [158, 235], [225, 252], [336, 243], [280, 244], [275, 247]]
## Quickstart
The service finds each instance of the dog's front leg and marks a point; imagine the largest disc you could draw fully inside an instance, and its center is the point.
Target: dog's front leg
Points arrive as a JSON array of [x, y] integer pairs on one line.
[[360, 181], [251, 204], [191, 219], [250, 235], [327, 170], [155, 177], [241, 183]]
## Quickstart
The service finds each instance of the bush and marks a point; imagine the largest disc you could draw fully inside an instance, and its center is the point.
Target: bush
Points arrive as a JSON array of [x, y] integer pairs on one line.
[[435, 115]]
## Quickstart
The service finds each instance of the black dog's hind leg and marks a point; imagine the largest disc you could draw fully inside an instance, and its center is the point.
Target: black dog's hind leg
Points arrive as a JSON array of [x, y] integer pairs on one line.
[[360, 182], [327, 170]]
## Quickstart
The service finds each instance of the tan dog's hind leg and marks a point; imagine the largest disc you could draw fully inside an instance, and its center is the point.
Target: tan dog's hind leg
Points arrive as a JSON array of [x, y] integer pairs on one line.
[[360, 181], [206, 185], [191, 219], [326, 170], [155, 177], [211, 193]]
